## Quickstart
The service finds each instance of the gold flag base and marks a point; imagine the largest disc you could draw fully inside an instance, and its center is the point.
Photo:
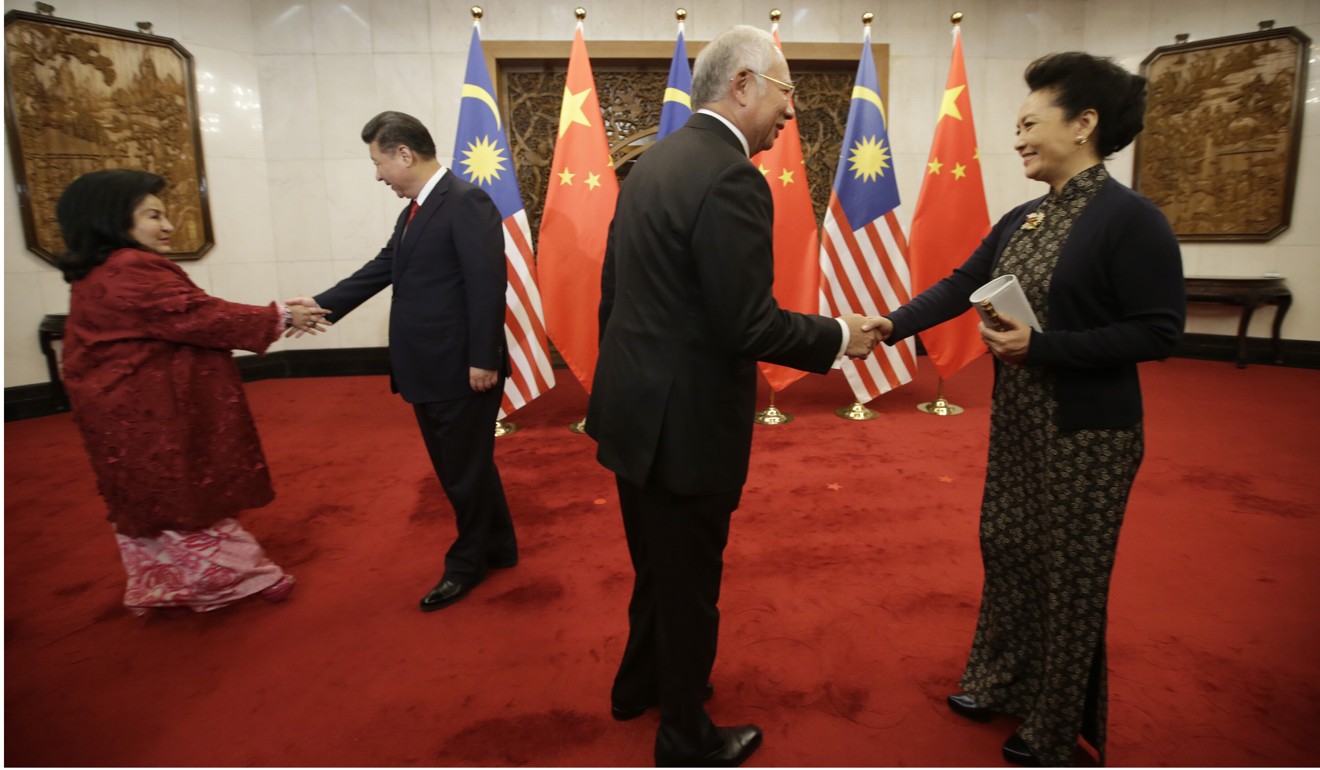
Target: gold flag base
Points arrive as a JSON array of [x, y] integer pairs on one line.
[[941, 407], [773, 416], [858, 411], [503, 428], [578, 427]]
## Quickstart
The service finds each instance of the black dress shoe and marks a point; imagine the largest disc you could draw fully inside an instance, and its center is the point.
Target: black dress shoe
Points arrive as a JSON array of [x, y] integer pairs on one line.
[[738, 745], [624, 713], [963, 705], [1018, 752], [445, 593]]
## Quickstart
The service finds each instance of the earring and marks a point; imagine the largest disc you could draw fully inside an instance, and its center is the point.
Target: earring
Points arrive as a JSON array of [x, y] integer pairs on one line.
[[1081, 140]]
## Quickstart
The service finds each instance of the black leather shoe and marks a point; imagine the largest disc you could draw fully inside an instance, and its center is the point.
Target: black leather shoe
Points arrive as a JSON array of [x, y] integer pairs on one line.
[[1018, 752], [963, 705], [625, 713], [445, 593], [739, 744]]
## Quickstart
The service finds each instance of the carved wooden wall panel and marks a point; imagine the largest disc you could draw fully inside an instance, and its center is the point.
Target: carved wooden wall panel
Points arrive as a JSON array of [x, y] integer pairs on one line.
[[82, 97], [1223, 133]]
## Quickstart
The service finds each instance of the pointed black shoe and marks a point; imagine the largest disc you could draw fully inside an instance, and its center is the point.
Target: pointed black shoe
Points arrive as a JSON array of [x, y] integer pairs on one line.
[[445, 593], [623, 713], [739, 744], [1018, 752], [963, 705]]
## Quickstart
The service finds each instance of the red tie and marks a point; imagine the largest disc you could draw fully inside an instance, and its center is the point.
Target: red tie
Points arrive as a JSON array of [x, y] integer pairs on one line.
[[412, 211]]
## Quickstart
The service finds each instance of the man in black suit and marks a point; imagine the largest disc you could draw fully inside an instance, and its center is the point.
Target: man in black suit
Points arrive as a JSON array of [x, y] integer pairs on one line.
[[446, 263], [686, 312]]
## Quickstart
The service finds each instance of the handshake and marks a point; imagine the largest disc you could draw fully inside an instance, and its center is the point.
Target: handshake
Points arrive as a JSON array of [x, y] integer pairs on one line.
[[305, 317], [866, 333]]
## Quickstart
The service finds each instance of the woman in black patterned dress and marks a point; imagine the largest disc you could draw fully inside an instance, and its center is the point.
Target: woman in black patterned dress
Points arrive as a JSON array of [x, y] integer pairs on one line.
[[1102, 270]]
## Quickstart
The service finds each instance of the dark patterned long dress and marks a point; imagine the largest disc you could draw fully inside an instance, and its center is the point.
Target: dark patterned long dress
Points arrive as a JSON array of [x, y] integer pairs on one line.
[[1050, 516]]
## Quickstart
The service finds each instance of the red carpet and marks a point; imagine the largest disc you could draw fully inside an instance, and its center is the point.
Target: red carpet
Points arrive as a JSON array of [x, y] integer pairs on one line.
[[849, 603]]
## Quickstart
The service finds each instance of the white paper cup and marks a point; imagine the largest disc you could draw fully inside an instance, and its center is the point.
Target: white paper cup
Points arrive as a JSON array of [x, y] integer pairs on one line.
[[1006, 297]]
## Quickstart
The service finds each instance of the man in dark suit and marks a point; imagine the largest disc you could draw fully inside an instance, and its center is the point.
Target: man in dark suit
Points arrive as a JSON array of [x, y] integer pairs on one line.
[[686, 311], [446, 263]]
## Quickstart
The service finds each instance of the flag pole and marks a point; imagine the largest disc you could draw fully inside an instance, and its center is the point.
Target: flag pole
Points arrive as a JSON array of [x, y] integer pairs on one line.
[[772, 415], [581, 425], [940, 407], [795, 237], [953, 345], [857, 411], [502, 427]]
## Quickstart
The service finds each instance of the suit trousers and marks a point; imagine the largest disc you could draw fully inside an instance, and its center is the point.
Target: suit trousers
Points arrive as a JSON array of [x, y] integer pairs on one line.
[[676, 543], [460, 438]]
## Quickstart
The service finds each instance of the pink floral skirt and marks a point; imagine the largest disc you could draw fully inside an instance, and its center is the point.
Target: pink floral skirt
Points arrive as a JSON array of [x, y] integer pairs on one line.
[[200, 570]]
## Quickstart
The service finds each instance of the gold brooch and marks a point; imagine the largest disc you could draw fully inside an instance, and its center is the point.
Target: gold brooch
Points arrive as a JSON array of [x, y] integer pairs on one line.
[[1033, 220]]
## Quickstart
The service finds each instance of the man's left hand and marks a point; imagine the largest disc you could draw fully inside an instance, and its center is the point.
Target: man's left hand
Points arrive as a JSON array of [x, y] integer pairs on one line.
[[482, 380]]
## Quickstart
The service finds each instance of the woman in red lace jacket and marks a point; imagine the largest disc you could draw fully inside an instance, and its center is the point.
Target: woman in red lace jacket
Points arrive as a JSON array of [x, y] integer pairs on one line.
[[158, 399]]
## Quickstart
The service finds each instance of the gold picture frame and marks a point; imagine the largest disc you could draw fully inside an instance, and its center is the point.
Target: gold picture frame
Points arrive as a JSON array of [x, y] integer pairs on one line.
[[1223, 134], [82, 97]]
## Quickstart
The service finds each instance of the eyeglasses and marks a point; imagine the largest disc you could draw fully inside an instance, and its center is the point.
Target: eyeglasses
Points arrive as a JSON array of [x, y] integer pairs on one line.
[[786, 88]]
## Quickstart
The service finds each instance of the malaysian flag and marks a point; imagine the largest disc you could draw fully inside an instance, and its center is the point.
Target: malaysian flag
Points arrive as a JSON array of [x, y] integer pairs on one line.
[[677, 106], [482, 157], [863, 251]]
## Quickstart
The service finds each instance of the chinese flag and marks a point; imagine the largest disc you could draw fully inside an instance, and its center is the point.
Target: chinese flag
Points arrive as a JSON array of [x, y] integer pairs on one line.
[[797, 261], [579, 205], [951, 218]]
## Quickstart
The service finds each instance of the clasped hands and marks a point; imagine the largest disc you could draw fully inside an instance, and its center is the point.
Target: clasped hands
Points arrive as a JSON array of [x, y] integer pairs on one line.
[[305, 317], [865, 334], [309, 318], [1009, 345]]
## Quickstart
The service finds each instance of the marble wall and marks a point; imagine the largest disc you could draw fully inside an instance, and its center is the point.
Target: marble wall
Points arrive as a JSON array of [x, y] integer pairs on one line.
[[285, 86]]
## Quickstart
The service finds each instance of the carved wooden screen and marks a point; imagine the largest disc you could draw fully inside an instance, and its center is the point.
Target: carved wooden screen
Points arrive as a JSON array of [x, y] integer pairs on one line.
[[1223, 132], [630, 82], [80, 98]]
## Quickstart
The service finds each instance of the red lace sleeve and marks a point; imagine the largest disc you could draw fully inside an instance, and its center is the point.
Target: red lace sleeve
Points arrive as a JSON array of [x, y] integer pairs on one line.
[[167, 305]]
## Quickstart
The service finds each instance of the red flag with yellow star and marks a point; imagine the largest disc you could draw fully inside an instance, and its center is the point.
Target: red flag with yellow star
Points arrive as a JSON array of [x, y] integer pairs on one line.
[[797, 265], [579, 205], [951, 218]]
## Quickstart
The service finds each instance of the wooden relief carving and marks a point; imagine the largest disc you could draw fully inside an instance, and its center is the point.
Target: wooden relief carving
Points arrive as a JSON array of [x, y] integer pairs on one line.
[[631, 99], [80, 98], [1223, 131]]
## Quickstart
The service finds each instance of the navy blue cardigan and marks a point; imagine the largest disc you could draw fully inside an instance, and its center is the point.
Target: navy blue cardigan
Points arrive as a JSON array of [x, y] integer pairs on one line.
[[1116, 298]]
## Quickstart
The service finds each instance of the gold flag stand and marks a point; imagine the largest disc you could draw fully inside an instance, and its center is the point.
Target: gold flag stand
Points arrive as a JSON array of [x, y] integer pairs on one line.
[[578, 427], [503, 428], [858, 412], [940, 406], [773, 415]]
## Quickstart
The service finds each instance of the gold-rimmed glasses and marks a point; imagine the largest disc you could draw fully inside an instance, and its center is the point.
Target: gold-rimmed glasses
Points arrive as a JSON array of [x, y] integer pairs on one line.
[[786, 89]]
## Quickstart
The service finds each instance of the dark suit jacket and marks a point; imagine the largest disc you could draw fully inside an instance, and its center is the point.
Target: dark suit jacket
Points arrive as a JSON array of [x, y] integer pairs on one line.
[[449, 275], [1116, 298], [686, 311]]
